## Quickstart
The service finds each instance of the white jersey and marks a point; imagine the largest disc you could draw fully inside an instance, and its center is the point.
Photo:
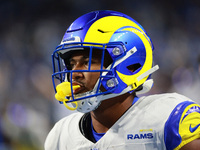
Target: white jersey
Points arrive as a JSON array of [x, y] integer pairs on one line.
[[153, 123]]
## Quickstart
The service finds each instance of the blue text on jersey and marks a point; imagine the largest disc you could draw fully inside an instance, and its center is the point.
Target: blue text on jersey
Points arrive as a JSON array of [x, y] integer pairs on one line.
[[139, 136]]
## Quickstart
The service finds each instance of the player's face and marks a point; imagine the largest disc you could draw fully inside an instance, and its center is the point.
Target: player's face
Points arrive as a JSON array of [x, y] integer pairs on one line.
[[80, 61]]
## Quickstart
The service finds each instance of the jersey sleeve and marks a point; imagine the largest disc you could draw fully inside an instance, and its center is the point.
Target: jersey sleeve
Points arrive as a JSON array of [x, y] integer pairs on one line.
[[52, 139], [182, 126]]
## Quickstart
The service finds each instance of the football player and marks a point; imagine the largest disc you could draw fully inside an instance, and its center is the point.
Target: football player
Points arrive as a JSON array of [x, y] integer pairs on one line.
[[104, 61]]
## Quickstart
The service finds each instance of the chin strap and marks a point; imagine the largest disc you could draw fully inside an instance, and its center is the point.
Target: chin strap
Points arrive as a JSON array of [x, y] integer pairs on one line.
[[148, 72], [147, 85]]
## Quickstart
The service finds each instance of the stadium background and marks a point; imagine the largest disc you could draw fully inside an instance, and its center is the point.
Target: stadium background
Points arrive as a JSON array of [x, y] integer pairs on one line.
[[31, 29]]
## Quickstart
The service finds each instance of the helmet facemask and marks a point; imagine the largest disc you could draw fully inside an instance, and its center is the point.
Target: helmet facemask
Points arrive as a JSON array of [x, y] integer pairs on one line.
[[88, 100]]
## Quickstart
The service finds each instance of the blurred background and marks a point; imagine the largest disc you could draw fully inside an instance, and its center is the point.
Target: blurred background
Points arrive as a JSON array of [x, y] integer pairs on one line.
[[31, 29]]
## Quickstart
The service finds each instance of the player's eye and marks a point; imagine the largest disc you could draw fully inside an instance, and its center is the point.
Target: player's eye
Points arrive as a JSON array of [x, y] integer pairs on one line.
[[86, 62], [93, 61], [72, 65]]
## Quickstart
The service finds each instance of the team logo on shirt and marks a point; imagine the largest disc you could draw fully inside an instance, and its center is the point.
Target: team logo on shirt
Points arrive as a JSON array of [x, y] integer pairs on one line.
[[194, 109], [192, 112], [192, 129], [141, 135]]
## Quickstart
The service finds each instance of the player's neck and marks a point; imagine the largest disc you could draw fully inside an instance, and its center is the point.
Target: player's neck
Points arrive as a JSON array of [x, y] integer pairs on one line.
[[110, 111]]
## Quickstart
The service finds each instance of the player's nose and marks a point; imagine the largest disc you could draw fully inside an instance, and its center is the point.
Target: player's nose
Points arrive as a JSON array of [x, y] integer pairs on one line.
[[77, 71]]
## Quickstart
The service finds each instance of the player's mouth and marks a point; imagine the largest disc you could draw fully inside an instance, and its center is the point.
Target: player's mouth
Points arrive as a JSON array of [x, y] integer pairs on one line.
[[79, 90]]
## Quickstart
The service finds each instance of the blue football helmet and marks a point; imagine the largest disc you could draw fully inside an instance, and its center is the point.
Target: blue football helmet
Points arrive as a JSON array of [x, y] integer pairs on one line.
[[128, 46]]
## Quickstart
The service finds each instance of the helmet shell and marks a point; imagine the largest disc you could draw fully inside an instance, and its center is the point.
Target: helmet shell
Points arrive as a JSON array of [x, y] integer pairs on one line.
[[110, 30]]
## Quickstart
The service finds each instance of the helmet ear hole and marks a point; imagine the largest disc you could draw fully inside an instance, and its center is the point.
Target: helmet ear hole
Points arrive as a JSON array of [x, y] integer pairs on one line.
[[107, 59], [134, 67]]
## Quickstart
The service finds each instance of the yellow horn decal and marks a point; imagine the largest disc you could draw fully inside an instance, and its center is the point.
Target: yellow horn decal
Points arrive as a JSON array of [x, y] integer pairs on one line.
[[132, 79], [107, 26]]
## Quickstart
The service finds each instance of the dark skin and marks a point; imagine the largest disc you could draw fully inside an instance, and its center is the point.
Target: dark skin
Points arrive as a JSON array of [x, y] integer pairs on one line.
[[110, 110]]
